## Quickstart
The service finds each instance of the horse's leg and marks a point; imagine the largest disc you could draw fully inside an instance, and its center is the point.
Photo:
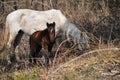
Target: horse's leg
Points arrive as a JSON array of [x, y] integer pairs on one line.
[[16, 42], [18, 38], [8, 52], [9, 44]]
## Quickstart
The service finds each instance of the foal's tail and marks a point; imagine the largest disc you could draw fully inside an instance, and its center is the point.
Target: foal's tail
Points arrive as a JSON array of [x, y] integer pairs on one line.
[[6, 37]]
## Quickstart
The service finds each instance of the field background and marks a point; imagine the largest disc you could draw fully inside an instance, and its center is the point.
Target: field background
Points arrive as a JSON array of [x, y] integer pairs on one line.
[[100, 19]]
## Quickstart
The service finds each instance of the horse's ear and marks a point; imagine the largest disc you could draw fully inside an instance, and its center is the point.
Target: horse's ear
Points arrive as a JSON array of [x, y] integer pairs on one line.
[[53, 23], [47, 24]]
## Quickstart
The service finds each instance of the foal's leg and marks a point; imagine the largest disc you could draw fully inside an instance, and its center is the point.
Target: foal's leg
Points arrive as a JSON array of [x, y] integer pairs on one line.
[[32, 52], [46, 56], [51, 55], [46, 59], [16, 42], [30, 57], [35, 55]]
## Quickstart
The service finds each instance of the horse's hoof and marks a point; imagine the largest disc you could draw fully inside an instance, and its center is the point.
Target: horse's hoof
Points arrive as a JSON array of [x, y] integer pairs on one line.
[[17, 58], [9, 62]]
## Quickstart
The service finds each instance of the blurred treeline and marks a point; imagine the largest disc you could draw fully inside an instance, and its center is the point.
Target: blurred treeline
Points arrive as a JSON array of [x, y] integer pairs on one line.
[[100, 18]]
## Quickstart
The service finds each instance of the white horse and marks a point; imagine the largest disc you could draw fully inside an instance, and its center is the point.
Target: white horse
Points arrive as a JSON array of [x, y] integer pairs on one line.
[[28, 21]]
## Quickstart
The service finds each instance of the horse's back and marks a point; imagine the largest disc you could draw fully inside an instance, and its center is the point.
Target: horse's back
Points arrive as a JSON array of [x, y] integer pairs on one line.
[[19, 12], [16, 15], [31, 20]]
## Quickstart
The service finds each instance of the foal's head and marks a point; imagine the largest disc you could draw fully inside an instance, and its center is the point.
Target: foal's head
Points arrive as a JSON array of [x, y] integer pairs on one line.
[[51, 31]]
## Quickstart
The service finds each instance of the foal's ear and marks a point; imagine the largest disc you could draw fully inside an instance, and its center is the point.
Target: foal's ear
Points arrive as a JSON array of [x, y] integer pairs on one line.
[[53, 23], [48, 24]]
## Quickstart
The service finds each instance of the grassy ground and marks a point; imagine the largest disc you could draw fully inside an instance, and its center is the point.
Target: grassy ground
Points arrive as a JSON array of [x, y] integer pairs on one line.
[[97, 64]]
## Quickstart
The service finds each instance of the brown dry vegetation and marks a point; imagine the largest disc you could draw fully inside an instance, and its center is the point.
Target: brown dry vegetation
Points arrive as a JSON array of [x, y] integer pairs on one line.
[[99, 18]]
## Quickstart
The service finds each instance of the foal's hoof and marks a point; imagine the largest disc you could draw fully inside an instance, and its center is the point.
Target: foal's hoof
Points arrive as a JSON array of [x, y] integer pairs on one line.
[[30, 60]]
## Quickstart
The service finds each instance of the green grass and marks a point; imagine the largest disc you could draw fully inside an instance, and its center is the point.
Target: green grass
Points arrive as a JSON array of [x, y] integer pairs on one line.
[[28, 74]]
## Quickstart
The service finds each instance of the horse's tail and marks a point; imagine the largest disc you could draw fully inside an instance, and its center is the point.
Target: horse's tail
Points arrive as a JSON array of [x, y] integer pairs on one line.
[[6, 37]]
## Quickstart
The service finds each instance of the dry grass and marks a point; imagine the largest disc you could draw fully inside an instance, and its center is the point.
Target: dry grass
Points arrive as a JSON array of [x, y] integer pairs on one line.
[[98, 64]]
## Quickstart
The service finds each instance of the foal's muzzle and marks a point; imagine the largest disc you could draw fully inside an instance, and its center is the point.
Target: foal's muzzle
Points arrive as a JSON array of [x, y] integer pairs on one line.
[[52, 41]]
